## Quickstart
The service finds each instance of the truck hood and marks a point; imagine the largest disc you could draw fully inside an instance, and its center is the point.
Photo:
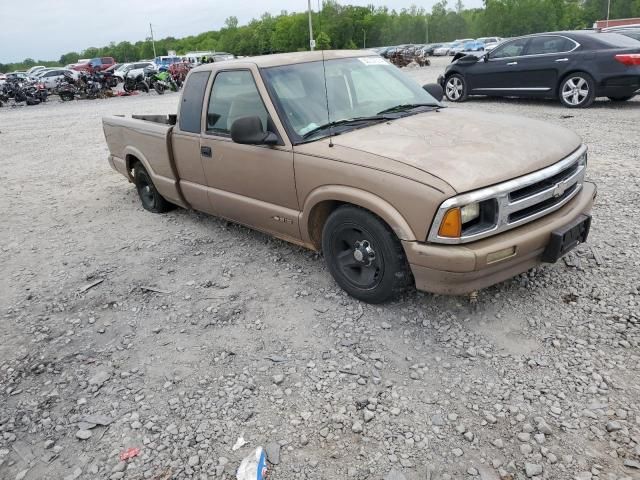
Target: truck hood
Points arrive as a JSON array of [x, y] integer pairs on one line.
[[466, 149]]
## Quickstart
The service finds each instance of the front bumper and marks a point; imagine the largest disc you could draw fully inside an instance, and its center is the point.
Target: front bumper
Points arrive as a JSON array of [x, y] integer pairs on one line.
[[460, 269]]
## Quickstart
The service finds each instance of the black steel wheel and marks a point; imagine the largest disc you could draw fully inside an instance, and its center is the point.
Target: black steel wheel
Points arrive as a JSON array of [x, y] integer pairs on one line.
[[363, 255], [149, 196]]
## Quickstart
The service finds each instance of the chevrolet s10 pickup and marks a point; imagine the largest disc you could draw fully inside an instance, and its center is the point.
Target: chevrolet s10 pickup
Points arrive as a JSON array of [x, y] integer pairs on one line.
[[340, 152]]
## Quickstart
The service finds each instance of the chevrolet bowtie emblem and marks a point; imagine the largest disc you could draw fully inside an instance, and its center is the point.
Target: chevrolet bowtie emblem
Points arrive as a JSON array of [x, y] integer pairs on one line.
[[559, 189]]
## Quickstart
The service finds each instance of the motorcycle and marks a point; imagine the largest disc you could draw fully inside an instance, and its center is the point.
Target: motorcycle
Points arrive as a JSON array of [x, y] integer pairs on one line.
[[4, 98], [179, 72], [152, 80], [106, 79], [89, 87], [30, 93], [133, 83], [66, 87], [162, 80]]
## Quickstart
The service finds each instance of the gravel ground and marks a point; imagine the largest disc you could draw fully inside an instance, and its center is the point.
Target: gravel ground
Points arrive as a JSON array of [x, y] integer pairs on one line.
[[202, 332]]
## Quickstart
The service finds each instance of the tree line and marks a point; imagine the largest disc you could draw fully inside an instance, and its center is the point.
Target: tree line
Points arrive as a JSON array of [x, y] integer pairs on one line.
[[347, 26]]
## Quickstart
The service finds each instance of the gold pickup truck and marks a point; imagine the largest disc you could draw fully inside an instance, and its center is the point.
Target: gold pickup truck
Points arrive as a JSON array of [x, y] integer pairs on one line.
[[340, 152]]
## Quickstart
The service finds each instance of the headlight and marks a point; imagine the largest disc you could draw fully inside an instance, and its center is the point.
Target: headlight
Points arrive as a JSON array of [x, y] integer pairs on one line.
[[470, 218], [582, 161], [469, 212]]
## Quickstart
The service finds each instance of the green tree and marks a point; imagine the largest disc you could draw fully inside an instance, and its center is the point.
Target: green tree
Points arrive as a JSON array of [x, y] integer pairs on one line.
[[323, 41], [339, 25]]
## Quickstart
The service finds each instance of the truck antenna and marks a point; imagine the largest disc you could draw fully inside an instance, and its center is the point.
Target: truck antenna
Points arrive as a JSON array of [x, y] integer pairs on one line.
[[324, 73], [326, 93]]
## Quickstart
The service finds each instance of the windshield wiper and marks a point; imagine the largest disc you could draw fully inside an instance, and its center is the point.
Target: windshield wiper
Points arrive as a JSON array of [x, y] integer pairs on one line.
[[349, 121], [407, 106]]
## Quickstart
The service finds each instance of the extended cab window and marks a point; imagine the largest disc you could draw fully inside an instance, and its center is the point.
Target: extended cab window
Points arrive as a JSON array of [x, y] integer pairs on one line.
[[511, 49], [234, 95], [192, 98]]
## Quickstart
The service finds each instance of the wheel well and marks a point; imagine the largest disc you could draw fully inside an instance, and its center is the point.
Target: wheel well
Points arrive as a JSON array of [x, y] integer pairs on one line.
[[319, 214], [318, 217], [451, 72], [131, 161]]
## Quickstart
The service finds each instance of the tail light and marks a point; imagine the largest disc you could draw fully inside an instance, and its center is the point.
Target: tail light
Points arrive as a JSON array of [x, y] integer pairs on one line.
[[629, 59]]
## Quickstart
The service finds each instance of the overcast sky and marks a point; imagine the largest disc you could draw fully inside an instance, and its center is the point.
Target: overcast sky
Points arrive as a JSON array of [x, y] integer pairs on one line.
[[45, 29]]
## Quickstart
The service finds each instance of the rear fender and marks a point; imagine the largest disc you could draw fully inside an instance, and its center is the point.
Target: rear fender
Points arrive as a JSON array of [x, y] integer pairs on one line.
[[131, 155]]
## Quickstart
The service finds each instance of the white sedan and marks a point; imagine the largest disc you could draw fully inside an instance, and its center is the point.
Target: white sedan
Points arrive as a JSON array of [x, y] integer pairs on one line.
[[130, 69], [50, 77]]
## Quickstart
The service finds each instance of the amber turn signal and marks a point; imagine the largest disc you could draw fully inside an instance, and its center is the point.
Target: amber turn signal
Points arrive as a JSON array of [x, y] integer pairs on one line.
[[451, 225]]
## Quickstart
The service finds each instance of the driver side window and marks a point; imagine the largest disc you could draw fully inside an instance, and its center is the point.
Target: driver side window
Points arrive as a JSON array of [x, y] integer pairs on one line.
[[514, 48], [234, 95]]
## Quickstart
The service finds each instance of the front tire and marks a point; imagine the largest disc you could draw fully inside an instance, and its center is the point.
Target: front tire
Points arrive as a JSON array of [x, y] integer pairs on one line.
[[455, 88], [149, 196], [577, 90], [363, 255]]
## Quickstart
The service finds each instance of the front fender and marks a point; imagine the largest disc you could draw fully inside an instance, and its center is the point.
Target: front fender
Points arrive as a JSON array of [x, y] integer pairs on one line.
[[358, 197]]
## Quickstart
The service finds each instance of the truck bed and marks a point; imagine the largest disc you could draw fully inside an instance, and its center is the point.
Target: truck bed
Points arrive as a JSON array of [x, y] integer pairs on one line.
[[147, 139]]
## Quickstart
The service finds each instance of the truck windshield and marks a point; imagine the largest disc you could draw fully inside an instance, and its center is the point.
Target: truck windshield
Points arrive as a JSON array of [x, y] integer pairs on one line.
[[356, 88]]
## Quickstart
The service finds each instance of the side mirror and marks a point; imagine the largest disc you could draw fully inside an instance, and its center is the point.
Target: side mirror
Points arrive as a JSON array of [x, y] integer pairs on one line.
[[486, 57], [248, 131], [434, 90]]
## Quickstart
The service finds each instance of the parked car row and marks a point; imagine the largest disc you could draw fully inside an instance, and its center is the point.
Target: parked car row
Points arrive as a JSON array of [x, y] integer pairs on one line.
[[574, 67], [402, 55], [34, 86], [467, 45]]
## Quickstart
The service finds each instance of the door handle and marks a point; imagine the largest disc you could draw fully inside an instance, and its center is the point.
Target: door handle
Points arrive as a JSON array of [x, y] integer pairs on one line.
[[512, 63], [205, 151], [562, 60]]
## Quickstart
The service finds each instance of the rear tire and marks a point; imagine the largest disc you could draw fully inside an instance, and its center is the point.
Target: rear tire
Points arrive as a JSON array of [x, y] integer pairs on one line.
[[455, 88], [363, 255], [621, 99], [577, 90], [149, 196]]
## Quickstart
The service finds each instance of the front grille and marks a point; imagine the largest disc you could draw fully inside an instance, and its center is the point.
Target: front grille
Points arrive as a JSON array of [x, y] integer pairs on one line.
[[520, 200], [542, 206], [543, 184], [542, 195]]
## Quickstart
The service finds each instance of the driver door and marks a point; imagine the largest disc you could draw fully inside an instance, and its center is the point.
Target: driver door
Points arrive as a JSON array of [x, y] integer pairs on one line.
[[500, 72], [250, 184]]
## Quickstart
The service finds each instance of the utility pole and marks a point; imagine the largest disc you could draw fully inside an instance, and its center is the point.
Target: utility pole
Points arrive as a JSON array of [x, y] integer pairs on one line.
[[312, 42], [608, 11], [364, 39], [153, 42], [426, 29]]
